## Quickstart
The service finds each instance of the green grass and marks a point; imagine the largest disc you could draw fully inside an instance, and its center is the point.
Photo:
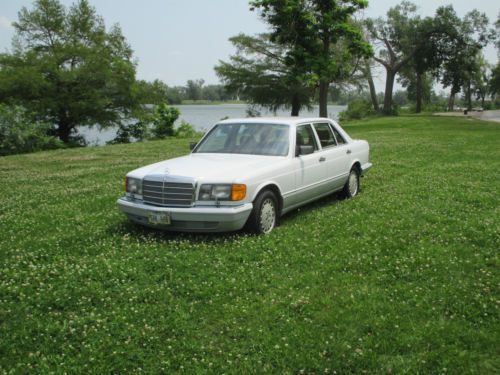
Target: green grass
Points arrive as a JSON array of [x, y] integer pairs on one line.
[[402, 279]]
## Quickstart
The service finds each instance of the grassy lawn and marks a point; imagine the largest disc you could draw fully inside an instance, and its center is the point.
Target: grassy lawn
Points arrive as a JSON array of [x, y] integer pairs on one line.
[[402, 279]]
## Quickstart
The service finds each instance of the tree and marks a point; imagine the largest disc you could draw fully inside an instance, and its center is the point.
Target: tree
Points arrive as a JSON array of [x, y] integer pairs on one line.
[[419, 73], [494, 82], [194, 89], [480, 79], [476, 36], [259, 72], [211, 92], [68, 68], [462, 46], [366, 70], [155, 92], [399, 36], [366, 66], [322, 40], [418, 86]]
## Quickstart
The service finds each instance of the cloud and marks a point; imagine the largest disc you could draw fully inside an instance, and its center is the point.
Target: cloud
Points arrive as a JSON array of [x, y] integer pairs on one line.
[[5, 23]]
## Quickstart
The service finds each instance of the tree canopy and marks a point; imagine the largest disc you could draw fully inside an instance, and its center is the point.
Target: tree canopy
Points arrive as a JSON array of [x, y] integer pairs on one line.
[[323, 43], [462, 47], [259, 72], [68, 68]]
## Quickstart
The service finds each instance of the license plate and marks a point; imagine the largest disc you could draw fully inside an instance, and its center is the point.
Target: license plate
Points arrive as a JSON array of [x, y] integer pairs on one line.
[[159, 218]]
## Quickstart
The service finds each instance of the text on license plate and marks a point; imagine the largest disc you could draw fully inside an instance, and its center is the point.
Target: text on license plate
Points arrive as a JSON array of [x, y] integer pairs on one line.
[[159, 218]]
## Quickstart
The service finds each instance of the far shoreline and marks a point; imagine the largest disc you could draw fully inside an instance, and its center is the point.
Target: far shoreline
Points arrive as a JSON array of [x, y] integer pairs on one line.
[[217, 102]]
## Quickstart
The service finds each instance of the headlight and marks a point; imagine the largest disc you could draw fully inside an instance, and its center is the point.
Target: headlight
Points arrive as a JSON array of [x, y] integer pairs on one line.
[[133, 185], [234, 192]]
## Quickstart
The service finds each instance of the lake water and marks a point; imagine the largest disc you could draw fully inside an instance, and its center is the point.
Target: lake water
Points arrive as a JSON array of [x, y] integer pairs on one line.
[[203, 117]]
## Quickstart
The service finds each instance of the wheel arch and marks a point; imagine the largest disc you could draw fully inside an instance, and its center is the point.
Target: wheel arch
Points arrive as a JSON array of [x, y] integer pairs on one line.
[[274, 188], [356, 164]]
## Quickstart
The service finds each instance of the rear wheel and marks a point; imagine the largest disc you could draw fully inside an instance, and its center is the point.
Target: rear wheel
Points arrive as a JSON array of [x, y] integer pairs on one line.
[[351, 187], [264, 215]]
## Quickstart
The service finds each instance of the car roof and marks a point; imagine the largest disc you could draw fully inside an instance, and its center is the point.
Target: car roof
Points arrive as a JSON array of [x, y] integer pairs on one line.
[[292, 121]]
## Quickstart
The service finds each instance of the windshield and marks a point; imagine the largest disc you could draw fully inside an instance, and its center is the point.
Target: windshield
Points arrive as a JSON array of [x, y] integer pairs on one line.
[[254, 139]]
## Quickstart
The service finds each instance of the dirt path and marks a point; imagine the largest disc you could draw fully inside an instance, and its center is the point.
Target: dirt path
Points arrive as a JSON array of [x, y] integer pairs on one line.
[[484, 115]]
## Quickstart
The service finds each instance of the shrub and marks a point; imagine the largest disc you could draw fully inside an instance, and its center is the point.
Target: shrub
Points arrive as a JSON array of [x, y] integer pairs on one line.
[[19, 133], [357, 109], [186, 130], [127, 133], [163, 126], [163, 121], [435, 107]]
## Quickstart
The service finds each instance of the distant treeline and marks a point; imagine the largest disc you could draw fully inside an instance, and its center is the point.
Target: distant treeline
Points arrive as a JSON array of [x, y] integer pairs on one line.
[[158, 92]]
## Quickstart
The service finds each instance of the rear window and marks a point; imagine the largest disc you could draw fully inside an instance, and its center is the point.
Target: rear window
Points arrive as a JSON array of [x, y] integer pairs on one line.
[[325, 135], [340, 139]]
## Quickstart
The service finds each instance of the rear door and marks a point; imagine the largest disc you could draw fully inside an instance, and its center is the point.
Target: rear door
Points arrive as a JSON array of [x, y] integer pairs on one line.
[[335, 153]]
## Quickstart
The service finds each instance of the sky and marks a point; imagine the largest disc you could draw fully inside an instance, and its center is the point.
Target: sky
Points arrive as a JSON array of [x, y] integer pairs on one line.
[[178, 40]]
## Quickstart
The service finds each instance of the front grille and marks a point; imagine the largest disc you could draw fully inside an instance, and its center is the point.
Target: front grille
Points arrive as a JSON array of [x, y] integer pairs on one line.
[[167, 193]]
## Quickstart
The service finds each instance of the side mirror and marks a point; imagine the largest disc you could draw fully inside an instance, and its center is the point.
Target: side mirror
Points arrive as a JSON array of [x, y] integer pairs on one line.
[[192, 145], [304, 150]]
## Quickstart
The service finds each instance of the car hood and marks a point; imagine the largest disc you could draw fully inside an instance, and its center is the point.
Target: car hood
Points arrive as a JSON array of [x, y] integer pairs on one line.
[[209, 167]]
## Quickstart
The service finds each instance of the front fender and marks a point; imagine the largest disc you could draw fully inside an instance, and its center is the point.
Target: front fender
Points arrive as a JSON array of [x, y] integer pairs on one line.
[[274, 186]]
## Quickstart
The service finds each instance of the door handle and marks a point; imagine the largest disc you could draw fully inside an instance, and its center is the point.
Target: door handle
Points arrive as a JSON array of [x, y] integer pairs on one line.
[[348, 151], [321, 159]]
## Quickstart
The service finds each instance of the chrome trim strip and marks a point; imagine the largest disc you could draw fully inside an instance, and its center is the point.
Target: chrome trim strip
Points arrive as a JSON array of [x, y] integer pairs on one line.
[[311, 186]]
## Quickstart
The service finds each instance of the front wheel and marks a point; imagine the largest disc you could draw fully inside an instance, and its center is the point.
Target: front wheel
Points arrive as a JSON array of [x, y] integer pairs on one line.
[[264, 216], [351, 187]]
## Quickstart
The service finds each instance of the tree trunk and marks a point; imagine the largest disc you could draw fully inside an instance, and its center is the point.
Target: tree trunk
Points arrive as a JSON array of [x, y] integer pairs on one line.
[[451, 101], [323, 83], [295, 105], [389, 85], [482, 100], [63, 132], [469, 96], [323, 99], [419, 89], [371, 85]]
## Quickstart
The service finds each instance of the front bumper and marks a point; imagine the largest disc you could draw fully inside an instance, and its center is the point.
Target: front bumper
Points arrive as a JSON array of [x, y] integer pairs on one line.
[[189, 219]]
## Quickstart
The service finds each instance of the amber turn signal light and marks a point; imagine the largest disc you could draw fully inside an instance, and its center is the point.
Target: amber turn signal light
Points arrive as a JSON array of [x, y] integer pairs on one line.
[[238, 192]]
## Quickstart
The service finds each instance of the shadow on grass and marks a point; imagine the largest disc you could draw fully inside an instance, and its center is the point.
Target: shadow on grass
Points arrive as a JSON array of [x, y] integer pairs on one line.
[[333, 198], [126, 227]]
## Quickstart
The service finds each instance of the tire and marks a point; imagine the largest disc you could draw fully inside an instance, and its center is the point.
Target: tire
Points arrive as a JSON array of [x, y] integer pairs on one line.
[[264, 216], [351, 187]]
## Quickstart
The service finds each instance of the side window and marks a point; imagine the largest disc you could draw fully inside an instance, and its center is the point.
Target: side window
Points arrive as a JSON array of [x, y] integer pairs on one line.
[[340, 140], [305, 137], [325, 135]]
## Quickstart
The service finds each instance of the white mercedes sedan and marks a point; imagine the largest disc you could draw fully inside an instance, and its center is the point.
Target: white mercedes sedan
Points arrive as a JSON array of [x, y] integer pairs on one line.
[[246, 172]]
